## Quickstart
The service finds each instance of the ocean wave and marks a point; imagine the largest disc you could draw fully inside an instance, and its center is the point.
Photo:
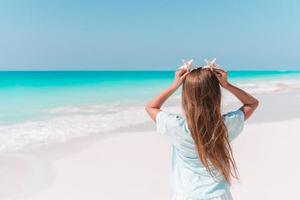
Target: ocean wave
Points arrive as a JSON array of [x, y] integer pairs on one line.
[[270, 86], [66, 123]]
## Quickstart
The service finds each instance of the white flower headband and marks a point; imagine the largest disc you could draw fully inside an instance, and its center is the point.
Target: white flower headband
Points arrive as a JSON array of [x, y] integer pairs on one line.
[[209, 65]]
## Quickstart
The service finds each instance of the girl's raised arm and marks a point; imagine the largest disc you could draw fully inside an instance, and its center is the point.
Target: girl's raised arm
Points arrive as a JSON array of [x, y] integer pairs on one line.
[[250, 103], [153, 107]]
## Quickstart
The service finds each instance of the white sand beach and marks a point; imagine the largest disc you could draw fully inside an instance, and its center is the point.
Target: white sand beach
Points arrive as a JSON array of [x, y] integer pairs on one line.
[[135, 164]]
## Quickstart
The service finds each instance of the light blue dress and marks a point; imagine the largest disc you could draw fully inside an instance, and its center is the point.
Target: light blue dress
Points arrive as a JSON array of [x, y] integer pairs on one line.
[[189, 179]]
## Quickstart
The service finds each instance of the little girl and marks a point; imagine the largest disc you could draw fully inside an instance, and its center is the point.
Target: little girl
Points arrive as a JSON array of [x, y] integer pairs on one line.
[[202, 160]]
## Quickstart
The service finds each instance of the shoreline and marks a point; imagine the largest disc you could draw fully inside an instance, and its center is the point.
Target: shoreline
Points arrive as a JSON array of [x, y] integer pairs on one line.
[[70, 123], [271, 109]]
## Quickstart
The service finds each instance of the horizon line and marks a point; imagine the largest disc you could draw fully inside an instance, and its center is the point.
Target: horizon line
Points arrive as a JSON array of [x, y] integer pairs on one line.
[[132, 70]]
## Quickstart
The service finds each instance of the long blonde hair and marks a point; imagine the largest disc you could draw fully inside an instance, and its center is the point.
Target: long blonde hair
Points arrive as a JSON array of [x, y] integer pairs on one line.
[[201, 102]]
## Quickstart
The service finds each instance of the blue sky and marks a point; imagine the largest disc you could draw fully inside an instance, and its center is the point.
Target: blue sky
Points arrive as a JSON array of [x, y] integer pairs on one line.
[[87, 34]]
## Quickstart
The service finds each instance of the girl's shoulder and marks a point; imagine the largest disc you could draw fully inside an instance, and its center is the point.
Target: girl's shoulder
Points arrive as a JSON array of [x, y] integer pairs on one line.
[[234, 122], [173, 127], [168, 118], [167, 122]]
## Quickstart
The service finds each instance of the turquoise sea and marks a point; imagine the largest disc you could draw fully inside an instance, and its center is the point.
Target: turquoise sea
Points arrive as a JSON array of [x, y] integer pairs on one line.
[[53, 106]]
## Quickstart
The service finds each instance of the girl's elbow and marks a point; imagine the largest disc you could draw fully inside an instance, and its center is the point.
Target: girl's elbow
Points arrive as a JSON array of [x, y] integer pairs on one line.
[[148, 108], [255, 103]]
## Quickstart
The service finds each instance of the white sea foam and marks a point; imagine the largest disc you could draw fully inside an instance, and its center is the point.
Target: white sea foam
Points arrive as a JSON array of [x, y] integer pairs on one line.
[[270, 86], [64, 123], [70, 122]]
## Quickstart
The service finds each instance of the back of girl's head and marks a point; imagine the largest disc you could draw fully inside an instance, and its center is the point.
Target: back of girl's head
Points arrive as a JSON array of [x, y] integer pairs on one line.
[[201, 88], [201, 102]]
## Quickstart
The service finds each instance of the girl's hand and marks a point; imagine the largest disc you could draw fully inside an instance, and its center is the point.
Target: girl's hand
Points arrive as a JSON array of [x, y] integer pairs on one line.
[[179, 77], [153, 107], [222, 77]]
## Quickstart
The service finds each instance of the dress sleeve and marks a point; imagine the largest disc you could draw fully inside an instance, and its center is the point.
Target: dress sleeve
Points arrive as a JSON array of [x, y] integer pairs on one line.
[[234, 122], [168, 125]]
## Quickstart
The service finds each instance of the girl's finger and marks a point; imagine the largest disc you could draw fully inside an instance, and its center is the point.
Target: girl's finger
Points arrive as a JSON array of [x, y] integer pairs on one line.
[[177, 73], [218, 74], [184, 75], [219, 70], [182, 71]]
